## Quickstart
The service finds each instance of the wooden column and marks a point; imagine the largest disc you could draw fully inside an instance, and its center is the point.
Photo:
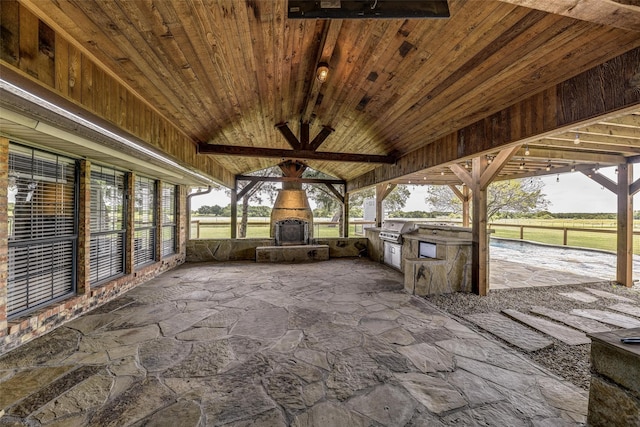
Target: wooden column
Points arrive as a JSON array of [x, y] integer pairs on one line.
[[482, 174], [345, 216], [463, 195], [624, 269], [130, 223], [234, 212], [625, 188], [480, 253], [382, 191], [465, 206]]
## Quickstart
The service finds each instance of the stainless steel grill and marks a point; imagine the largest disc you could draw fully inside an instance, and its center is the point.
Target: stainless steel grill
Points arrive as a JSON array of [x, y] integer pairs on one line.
[[393, 229], [391, 235]]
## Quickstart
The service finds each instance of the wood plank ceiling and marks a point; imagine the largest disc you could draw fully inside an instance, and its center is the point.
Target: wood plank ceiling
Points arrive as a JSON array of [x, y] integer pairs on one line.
[[227, 72]]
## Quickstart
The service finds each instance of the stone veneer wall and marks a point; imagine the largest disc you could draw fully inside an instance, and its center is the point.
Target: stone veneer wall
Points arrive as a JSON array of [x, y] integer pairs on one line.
[[614, 392], [21, 330], [221, 250]]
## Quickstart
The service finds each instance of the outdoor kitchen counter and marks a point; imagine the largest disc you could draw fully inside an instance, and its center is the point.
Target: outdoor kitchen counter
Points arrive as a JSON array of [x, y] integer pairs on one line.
[[447, 267]]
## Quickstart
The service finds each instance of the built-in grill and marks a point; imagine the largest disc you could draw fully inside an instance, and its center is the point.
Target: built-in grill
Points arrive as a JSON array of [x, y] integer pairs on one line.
[[391, 236], [393, 229]]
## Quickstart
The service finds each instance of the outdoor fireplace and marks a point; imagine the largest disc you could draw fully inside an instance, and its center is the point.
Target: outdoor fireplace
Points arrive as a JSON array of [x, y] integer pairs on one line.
[[291, 217], [292, 232]]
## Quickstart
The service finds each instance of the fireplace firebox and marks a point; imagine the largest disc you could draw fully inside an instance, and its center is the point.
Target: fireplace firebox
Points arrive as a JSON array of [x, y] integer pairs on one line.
[[291, 232]]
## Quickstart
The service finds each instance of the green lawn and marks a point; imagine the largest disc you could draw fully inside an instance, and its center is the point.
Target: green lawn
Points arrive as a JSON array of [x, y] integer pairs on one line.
[[583, 239], [223, 231], [259, 228]]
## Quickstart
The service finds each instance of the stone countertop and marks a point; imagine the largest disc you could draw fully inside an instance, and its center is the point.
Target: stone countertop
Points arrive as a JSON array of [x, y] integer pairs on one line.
[[612, 338], [435, 238], [443, 227]]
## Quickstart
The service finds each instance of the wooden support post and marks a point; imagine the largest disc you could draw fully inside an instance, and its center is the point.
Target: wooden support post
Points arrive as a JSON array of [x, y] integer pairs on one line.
[[345, 216], [463, 195], [465, 206], [234, 212], [382, 191], [478, 180], [480, 258], [624, 270]]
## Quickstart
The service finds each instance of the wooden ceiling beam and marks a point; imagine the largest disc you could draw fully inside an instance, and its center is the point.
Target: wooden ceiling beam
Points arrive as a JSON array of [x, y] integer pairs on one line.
[[499, 162], [543, 172], [611, 130], [605, 12], [232, 150], [289, 179], [631, 120], [569, 155], [586, 145], [598, 139], [602, 180], [289, 136]]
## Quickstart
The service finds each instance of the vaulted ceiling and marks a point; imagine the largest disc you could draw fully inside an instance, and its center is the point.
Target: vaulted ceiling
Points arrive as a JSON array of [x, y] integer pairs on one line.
[[226, 72]]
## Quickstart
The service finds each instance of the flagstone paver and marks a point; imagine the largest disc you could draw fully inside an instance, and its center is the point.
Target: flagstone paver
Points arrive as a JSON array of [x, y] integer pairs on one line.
[[565, 334], [605, 294], [608, 317], [510, 331], [579, 296], [633, 310], [242, 344], [578, 322]]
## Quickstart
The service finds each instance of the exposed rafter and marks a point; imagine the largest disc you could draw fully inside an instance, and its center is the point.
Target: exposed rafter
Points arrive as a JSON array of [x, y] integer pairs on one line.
[[231, 150]]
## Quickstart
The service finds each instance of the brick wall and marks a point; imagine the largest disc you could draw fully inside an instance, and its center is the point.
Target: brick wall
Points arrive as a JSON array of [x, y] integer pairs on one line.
[[20, 330]]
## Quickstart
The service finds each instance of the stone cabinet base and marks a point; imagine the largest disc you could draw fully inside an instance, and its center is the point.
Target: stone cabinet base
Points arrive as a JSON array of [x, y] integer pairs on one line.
[[299, 253], [431, 276], [614, 394]]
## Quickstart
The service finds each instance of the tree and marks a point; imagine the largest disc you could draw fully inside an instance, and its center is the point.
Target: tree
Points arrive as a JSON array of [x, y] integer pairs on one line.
[[209, 210], [255, 194], [516, 196]]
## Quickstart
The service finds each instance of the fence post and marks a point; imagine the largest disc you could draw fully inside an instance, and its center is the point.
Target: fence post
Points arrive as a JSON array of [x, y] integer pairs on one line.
[[198, 229], [522, 232], [564, 241]]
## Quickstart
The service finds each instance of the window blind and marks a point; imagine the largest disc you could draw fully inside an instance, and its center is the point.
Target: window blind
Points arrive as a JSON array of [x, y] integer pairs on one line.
[[107, 224], [42, 221], [144, 221]]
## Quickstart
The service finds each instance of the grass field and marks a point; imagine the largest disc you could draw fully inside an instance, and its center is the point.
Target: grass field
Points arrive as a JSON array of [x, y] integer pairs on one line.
[[218, 228], [578, 238]]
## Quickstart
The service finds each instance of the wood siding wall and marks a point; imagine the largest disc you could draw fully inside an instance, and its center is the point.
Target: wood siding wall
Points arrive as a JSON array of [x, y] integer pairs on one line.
[[33, 49]]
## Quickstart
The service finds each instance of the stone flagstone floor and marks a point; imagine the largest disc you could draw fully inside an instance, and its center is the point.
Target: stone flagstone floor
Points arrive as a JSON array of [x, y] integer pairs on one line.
[[335, 343]]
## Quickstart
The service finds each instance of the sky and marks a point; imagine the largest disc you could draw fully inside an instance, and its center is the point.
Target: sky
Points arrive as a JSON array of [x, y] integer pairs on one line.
[[574, 192]]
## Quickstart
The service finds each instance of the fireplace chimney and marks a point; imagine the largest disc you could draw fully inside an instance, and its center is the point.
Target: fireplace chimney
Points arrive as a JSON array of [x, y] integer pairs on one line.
[[291, 216]]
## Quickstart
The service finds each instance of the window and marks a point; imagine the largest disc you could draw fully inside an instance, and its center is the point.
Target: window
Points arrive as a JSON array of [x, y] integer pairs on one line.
[[107, 224], [145, 221], [42, 214], [168, 219]]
